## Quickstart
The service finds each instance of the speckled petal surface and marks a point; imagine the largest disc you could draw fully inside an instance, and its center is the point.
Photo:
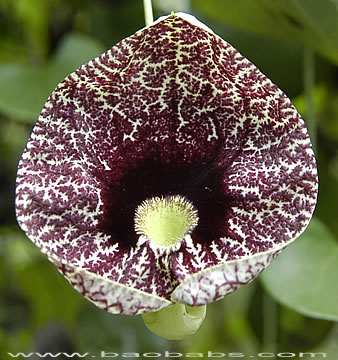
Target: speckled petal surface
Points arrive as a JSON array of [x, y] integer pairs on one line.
[[215, 282], [109, 295], [171, 110]]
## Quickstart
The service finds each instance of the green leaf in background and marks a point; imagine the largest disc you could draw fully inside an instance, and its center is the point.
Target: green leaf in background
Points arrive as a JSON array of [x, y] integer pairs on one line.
[[310, 22], [304, 276], [330, 345], [24, 90], [31, 17], [26, 273], [325, 98]]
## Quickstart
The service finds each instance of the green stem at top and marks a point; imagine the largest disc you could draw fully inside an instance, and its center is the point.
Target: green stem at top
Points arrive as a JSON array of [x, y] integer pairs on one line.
[[148, 12], [309, 84]]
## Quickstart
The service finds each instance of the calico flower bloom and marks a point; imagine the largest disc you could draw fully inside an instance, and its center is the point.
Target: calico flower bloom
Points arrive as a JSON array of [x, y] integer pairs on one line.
[[168, 170]]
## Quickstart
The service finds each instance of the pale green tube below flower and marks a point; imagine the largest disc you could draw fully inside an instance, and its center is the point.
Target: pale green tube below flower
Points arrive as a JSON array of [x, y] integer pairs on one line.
[[175, 322]]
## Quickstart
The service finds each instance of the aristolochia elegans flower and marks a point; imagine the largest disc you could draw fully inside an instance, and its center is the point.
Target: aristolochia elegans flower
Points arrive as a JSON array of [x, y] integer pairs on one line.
[[164, 174]]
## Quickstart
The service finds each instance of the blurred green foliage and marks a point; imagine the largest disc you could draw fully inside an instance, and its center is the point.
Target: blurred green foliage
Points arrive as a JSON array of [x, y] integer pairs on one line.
[[311, 263], [294, 307], [308, 22]]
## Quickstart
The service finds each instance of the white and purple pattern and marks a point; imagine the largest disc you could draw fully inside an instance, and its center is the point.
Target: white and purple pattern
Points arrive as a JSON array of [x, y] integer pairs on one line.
[[172, 109]]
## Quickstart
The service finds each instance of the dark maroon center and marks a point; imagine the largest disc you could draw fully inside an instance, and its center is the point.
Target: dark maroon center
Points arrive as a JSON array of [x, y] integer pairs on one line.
[[202, 184]]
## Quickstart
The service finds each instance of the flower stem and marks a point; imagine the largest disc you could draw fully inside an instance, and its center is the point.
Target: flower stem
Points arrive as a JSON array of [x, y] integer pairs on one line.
[[309, 83], [148, 12]]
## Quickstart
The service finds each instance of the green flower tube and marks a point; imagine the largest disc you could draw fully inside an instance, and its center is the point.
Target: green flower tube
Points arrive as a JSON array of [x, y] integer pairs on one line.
[[176, 321]]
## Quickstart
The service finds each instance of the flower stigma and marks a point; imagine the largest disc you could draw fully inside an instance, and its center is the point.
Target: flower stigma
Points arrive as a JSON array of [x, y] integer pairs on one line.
[[165, 220]]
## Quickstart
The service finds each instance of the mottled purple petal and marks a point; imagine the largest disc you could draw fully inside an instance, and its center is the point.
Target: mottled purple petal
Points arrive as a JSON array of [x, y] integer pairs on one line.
[[217, 281], [172, 109], [110, 295]]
